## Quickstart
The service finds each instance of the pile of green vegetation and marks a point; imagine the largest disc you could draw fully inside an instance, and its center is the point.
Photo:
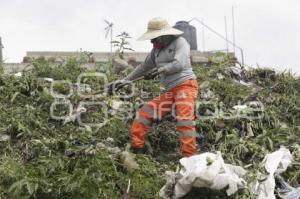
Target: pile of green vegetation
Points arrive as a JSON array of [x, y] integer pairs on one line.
[[42, 157]]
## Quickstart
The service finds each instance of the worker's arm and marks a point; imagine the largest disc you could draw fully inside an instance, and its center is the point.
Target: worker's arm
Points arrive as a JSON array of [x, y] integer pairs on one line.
[[142, 68], [181, 57]]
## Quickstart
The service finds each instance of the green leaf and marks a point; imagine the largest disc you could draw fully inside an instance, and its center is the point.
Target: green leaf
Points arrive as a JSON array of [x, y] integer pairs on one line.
[[14, 96]]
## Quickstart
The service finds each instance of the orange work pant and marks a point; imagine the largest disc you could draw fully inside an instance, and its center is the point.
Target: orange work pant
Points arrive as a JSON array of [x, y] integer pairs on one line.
[[179, 100]]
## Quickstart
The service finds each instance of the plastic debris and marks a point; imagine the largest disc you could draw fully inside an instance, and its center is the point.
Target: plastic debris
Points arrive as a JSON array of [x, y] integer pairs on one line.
[[240, 107], [18, 74], [207, 94], [4, 138], [245, 83], [113, 150], [276, 162], [285, 190], [233, 71], [90, 150], [254, 104], [109, 139], [283, 125], [220, 76], [204, 170], [128, 161], [249, 130], [167, 191], [47, 79], [205, 91], [115, 105], [204, 85]]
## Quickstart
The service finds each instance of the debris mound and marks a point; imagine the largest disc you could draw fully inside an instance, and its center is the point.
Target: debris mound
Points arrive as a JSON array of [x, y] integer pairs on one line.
[[244, 113]]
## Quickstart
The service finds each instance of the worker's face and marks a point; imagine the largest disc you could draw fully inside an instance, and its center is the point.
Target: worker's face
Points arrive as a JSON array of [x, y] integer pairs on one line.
[[164, 40], [160, 39]]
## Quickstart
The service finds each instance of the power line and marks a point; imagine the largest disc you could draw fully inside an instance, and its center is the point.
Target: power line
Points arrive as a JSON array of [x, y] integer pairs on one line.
[[221, 36], [203, 38], [226, 34]]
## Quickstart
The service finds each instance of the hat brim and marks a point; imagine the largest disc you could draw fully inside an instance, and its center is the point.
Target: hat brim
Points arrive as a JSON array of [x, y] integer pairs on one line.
[[157, 33]]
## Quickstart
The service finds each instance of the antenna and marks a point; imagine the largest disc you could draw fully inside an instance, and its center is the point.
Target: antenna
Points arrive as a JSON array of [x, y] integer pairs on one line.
[[109, 30], [233, 30], [203, 38]]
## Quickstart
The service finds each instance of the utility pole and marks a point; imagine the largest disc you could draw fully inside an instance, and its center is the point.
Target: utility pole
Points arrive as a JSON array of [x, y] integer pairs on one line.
[[203, 38], [111, 38], [1, 55], [226, 34], [233, 30]]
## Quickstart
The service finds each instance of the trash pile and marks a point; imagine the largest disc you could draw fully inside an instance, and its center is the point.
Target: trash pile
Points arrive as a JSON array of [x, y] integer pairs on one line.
[[56, 144], [209, 170], [204, 170]]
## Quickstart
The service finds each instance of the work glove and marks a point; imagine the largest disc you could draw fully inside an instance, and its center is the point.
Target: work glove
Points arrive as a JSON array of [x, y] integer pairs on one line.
[[153, 73], [115, 86]]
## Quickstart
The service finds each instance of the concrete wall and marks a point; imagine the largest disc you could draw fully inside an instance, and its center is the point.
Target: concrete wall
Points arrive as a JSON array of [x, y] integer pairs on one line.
[[19, 67], [196, 56], [16, 67]]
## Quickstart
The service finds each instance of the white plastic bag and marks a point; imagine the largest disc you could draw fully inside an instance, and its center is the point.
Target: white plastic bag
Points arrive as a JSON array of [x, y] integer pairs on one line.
[[276, 162], [286, 191], [205, 170]]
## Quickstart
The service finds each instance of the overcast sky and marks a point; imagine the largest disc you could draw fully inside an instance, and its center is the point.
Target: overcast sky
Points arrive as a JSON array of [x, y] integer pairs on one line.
[[267, 30]]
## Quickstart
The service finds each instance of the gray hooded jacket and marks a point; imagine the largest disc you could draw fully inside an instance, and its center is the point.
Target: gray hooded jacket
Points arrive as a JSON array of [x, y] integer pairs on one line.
[[175, 59]]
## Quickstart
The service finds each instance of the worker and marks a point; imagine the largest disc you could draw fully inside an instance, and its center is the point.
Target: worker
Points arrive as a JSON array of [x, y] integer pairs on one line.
[[170, 58]]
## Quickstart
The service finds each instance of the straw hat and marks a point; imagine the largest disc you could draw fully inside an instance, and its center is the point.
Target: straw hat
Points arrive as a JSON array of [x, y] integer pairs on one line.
[[159, 27]]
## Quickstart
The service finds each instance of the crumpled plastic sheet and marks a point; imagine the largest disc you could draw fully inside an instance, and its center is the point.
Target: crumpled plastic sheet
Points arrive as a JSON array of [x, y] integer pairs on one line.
[[276, 162], [204, 170], [285, 190], [115, 105], [234, 70]]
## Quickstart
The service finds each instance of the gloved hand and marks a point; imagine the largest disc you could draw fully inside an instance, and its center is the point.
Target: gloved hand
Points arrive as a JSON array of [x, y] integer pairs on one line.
[[115, 86], [153, 73]]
